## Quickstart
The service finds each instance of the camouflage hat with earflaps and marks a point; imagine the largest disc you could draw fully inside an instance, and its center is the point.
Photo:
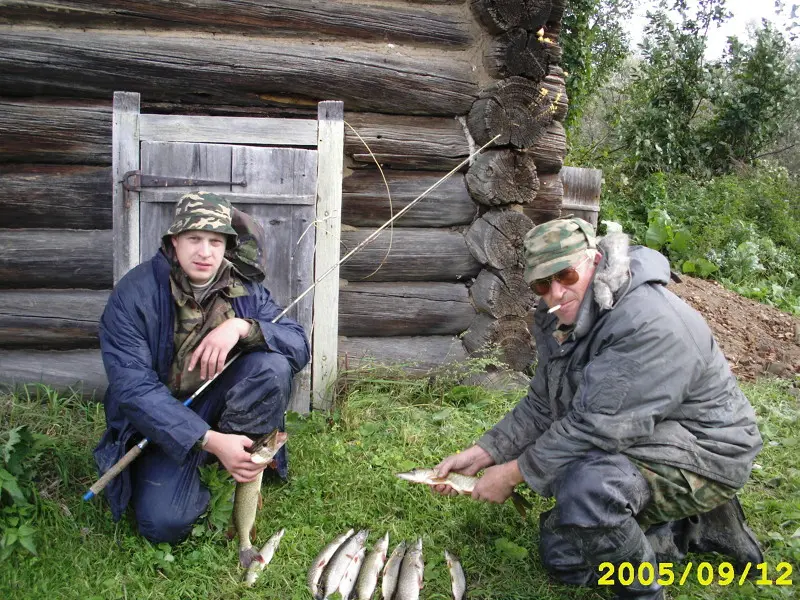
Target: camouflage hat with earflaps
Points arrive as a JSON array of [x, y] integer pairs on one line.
[[203, 211], [553, 246]]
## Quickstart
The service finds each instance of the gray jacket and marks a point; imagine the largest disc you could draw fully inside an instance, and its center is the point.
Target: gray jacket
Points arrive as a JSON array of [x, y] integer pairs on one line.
[[640, 375]]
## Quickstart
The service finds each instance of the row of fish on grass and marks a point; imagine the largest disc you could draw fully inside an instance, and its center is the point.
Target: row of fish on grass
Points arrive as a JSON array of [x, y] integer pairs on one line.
[[341, 567]]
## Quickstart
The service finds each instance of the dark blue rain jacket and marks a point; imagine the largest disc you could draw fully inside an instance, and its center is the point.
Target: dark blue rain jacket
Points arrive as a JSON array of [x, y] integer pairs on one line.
[[136, 338]]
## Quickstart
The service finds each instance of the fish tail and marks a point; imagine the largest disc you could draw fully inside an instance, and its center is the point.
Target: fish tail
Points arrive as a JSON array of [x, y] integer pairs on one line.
[[520, 504]]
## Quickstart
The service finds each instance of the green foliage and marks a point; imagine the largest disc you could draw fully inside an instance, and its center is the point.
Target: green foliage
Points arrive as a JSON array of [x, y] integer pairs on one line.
[[221, 486]]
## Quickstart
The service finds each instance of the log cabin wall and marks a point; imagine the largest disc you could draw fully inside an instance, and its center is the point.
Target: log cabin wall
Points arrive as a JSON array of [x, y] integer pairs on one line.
[[424, 83]]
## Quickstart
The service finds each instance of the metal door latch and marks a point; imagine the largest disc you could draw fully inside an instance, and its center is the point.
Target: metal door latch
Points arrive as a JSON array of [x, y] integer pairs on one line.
[[134, 181]]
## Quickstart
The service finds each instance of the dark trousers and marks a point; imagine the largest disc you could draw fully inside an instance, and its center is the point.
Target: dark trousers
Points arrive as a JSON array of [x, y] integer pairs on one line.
[[593, 522], [249, 398]]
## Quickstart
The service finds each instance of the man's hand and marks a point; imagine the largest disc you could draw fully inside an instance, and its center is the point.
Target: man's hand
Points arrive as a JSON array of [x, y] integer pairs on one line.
[[213, 350], [468, 462], [497, 483], [231, 450]]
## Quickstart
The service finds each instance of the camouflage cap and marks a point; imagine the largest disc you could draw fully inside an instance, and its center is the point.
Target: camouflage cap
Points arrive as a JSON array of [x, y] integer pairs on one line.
[[203, 211], [553, 246]]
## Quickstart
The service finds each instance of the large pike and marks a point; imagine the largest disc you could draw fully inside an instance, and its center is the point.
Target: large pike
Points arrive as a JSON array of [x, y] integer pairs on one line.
[[340, 561], [348, 582], [245, 500], [409, 583], [368, 576], [463, 484], [319, 564], [391, 571], [457, 580], [266, 554]]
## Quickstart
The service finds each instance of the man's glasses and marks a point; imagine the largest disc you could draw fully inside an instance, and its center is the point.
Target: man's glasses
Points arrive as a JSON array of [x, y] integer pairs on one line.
[[568, 276]]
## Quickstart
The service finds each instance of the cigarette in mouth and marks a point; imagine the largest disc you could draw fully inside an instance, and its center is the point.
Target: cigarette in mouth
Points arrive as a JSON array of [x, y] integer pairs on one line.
[[554, 309]]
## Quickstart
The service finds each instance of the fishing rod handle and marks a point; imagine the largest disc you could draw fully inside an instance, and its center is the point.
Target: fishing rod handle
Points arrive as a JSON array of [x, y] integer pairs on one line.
[[116, 469]]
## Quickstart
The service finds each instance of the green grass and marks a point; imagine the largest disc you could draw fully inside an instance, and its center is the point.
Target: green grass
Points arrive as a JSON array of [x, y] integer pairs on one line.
[[342, 476]]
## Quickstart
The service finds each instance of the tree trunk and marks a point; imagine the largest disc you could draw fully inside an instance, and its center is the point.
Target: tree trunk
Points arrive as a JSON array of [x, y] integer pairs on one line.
[[502, 294], [518, 52], [500, 177], [414, 255], [396, 24], [515, 109], [508, 335], [68, 197], [227, 70], [549, 152], [496, 238], [548, 203], [404, 309], [366, 201], [501, 15]]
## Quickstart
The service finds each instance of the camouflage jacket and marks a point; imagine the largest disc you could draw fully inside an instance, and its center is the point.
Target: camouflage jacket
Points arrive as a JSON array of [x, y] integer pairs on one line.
[[639, 374]]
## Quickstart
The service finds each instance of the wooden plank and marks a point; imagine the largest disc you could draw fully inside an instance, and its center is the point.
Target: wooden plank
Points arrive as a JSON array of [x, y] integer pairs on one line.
[[242, 71], [415, 355], [366, 202], [78, 370], [398, 309], [393, 24], [408, 254], [55, 258], [55, 132], [172, 197], [58, 196], [406, 142], [50, 319], [228, 130], [125, 157], [326, 270]]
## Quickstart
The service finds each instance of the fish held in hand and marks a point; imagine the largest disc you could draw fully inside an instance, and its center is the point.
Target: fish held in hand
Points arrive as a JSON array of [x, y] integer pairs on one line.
[[463, 484], [368, 576], [340, 561], [409, 582], [245, 499], [391, 571], [266, 554], [458, 582], [321, 561]]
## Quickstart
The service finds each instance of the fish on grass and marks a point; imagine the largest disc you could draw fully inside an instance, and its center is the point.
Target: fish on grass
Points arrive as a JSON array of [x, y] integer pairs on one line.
[[457, 580], [463, 484], [321, 561], [391, 571], [245, 499], [371, 568], [340, 561], [266, 554], [409, 582], [348, 582]]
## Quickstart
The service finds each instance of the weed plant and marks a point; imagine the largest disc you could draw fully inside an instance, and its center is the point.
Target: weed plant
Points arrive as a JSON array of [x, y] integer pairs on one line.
[[342, 467]]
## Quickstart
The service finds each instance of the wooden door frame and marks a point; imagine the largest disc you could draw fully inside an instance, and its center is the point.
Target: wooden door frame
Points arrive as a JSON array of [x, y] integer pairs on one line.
[[130, 127]]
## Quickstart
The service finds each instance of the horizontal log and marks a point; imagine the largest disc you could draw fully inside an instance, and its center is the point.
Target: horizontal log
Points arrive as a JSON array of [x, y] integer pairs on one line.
[[518, 52], [406, 142], [414, 355], [501, 15], [549, 150], [413, 255], [50, 319], [77, 370], [398, 23], [61, 196], [232, 70], [509, 336], [548, 202], [56, 132], [366, 200], [499, 177], [398, 309], [55, 258], [496, 238]]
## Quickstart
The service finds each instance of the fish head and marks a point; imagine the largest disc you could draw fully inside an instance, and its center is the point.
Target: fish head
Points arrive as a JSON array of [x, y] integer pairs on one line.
[[265, 448], [450, 558], [382, 545], [428, 476]]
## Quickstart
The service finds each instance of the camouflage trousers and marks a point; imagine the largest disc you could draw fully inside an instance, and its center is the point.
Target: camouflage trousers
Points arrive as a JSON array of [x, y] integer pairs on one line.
[[676, 493]]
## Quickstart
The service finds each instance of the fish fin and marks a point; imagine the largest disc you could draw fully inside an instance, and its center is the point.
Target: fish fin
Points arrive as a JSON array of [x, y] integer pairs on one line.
[[246, 557], [520, 504]]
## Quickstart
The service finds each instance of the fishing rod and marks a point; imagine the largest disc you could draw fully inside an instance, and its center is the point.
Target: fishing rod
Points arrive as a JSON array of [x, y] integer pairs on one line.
[[134, 452]]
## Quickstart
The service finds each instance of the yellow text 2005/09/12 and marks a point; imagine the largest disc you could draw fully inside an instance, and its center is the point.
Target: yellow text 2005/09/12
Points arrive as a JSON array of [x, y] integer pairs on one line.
[[704, 573]]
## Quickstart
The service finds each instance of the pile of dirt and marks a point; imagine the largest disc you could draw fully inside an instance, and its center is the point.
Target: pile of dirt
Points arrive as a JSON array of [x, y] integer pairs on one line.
[[756, 338]]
